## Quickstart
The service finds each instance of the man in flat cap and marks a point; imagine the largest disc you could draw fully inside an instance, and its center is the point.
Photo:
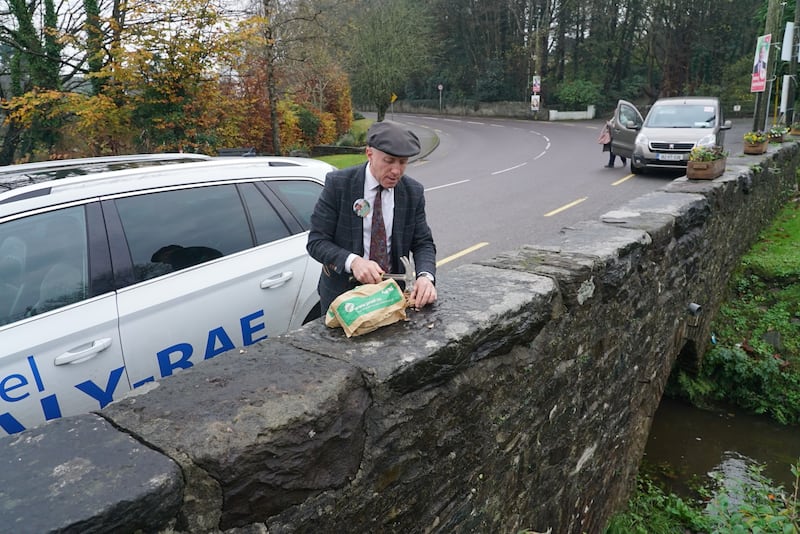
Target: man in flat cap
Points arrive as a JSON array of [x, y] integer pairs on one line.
[[355, 247]]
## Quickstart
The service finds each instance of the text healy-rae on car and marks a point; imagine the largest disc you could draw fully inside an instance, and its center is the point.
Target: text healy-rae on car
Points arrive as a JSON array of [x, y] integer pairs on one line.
[[112, 280]]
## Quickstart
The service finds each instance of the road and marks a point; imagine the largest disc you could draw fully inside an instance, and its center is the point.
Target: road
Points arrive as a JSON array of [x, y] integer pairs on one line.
[[493, 185]]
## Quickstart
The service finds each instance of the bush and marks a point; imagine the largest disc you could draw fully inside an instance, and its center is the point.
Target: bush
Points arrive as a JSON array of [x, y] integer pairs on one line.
[[347, 139], [651, 509], [327, 129], [755, 363], [760, 385], [749, 505], [577, 95], [290, 132], [309, 123]]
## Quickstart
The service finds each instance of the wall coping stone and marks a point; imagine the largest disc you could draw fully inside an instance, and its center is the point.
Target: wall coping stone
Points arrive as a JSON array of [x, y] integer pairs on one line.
[[80, 474]]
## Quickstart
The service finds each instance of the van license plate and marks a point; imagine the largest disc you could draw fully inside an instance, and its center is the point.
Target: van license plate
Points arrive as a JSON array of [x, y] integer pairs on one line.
[[670, 157]]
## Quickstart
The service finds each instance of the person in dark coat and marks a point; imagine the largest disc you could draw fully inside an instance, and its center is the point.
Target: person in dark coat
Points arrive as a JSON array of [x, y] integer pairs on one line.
[[341, 235], [605, 140]]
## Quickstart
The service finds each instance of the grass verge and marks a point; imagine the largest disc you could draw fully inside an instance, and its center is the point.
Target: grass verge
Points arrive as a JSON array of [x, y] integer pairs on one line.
[[356, 136], [340, 161]]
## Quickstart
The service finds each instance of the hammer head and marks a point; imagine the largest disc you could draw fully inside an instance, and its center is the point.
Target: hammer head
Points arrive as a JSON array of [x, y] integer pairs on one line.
[[409, 276]]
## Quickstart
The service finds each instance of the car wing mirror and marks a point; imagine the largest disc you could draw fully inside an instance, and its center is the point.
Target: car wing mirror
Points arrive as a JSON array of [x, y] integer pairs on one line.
[[726, 125], [632, 125]]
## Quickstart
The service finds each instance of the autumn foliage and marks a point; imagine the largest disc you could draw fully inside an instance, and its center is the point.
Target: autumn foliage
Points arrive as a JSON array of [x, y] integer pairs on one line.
[[197, 86]]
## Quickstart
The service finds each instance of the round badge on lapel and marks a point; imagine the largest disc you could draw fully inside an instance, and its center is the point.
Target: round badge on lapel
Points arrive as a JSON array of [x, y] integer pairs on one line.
[[361, 207]]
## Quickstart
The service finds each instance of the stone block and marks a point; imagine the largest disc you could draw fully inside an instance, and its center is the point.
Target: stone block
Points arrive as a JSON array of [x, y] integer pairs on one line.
[[80, 474]]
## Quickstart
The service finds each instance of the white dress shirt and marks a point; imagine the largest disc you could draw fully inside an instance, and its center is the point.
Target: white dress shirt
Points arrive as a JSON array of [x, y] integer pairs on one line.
[[387, 206]]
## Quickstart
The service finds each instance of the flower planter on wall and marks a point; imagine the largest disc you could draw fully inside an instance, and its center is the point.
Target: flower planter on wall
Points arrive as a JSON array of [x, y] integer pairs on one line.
[[776, 139], [755, 148], [705, 170]]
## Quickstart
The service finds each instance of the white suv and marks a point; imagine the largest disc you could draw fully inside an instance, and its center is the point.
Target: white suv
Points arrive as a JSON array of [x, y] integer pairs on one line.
[[113, 280]]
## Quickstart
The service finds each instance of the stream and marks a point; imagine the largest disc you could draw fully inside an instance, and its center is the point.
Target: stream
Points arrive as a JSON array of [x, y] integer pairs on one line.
[[686, 443]]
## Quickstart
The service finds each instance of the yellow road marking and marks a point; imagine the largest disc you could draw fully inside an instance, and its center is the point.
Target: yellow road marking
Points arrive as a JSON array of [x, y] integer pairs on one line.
[[457, 255], [623, 179], [568, 206]]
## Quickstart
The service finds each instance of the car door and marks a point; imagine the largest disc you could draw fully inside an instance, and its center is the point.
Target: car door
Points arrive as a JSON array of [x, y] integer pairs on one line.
[[213, 268], [60, 351], [300, 196], [626, 123]]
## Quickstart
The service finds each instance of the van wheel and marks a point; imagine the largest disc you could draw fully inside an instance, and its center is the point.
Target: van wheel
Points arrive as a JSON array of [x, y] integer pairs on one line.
[[635, 169]]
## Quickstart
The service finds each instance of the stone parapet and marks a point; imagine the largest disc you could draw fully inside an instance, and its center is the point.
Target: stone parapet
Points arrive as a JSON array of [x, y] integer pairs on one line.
[[521, 401]]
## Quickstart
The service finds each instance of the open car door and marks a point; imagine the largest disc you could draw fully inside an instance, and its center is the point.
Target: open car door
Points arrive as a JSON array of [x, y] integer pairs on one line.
[[625, 125]]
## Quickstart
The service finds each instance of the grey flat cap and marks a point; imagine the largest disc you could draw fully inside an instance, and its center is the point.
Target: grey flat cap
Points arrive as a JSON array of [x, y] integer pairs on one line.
[[394, 139]]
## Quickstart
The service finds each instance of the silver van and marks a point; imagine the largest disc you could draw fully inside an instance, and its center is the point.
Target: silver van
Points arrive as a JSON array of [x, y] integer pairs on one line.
[[672, 128]]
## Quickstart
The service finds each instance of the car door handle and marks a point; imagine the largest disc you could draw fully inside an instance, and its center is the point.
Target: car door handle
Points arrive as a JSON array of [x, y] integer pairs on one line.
[[78, 356], [276, 281]]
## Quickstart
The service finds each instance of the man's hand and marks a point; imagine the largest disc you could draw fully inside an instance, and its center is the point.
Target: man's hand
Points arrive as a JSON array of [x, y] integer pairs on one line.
[[424, 292], [366, 271]]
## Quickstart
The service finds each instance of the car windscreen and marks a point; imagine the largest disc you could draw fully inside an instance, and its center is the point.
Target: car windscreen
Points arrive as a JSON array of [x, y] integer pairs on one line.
[[682, 116]]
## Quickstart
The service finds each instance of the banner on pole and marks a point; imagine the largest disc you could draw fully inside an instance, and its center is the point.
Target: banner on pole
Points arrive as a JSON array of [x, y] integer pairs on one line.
[[759, 80]]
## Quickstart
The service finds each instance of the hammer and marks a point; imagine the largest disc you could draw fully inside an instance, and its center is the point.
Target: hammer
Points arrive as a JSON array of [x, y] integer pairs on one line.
[[408, 276]]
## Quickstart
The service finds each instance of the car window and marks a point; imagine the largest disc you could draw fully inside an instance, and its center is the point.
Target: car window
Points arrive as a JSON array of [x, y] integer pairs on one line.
[[173, 230], [627, 114], [683, 116], [267, 224], [43, 263], [300, 196]]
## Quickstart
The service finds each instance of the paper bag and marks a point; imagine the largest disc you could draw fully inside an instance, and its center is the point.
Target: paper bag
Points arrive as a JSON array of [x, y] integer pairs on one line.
[[367, 308]]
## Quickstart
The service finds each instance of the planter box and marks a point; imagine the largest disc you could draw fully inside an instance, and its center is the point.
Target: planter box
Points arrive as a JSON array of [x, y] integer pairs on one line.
[[705, 170], [776, 138], [794, 131], [755, 148]]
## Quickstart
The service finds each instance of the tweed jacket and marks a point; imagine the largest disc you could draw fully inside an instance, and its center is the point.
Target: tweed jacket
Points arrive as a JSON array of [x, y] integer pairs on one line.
[[337, 230]]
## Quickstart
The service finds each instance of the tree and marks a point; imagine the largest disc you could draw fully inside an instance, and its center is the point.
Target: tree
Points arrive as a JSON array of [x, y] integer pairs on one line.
[[390, 41], [35, 63], [286, 28], [168, 69]]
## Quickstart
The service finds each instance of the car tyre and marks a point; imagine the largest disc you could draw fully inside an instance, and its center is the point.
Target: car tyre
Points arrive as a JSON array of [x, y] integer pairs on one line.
[[635, 169]]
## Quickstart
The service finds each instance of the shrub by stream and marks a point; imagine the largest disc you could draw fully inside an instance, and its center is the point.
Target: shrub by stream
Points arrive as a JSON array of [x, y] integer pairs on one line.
[[755, 362], [750, 504]]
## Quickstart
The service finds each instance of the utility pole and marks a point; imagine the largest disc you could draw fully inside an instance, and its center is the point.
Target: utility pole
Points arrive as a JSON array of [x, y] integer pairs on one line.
[[762, 98]]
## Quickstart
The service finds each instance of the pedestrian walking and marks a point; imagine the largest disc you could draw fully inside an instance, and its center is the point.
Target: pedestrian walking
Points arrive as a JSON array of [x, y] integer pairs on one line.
[[605, 140]]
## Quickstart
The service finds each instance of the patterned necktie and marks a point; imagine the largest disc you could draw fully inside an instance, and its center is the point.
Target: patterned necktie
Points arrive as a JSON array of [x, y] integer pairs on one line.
[[377, 246]]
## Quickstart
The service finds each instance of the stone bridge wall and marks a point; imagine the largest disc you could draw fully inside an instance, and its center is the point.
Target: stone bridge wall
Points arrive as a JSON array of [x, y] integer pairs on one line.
[[522, 400]]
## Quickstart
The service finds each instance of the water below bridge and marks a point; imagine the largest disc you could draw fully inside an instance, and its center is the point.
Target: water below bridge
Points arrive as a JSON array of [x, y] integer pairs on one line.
[[686, 443]]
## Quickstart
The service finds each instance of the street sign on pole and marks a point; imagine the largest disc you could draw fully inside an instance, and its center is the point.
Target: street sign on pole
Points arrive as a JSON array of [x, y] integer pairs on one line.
[[440, 87]]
